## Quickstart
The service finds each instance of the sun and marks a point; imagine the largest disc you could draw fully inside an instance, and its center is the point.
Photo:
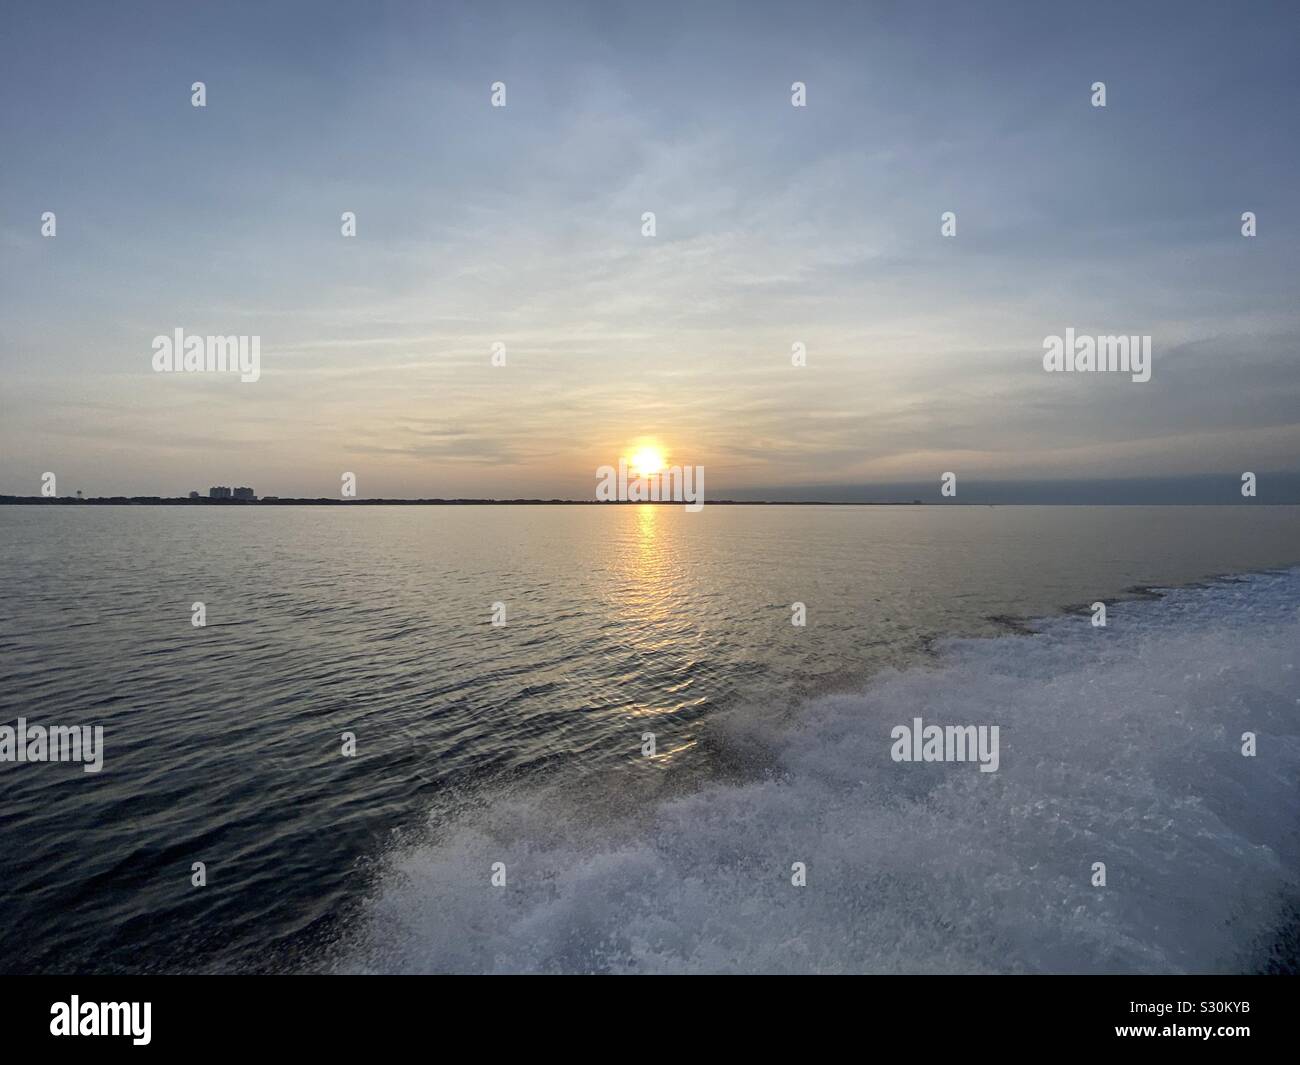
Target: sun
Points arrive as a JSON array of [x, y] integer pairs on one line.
[[647, 461]]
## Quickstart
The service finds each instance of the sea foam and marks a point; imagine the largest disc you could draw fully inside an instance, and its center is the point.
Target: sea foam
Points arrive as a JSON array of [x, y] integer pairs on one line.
[[1120, 745]]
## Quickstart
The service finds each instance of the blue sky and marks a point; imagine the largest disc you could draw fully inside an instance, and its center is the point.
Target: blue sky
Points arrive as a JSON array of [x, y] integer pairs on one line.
[[522, 225]]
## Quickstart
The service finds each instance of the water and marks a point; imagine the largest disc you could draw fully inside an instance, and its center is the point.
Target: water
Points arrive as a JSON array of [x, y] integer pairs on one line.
[[521, 743]]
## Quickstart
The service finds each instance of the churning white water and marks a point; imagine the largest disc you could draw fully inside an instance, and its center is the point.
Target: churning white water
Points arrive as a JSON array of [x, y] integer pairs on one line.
[[1120, 745]]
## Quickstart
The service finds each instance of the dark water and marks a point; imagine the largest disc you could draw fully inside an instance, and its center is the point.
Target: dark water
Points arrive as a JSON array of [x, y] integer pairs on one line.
[[475, 741]]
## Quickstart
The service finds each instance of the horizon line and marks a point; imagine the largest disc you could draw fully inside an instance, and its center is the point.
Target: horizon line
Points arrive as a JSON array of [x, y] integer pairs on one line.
[[279, 501]]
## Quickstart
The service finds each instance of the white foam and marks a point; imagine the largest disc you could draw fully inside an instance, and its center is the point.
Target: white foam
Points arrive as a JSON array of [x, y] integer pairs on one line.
[[1119, 745]]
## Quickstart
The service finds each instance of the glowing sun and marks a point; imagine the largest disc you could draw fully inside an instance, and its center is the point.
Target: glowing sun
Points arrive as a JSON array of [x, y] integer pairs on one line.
[[647, 461]]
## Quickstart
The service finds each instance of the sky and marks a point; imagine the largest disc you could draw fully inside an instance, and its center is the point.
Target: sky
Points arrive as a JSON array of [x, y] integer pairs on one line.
[[522, 225]]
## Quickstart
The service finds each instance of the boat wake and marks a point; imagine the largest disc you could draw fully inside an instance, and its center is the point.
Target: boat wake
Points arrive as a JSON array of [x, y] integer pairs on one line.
[[1119, 745]]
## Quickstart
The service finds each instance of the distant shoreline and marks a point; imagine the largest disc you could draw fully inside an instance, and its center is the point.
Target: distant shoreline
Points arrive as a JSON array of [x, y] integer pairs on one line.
[[203, 501], [180, 501]]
